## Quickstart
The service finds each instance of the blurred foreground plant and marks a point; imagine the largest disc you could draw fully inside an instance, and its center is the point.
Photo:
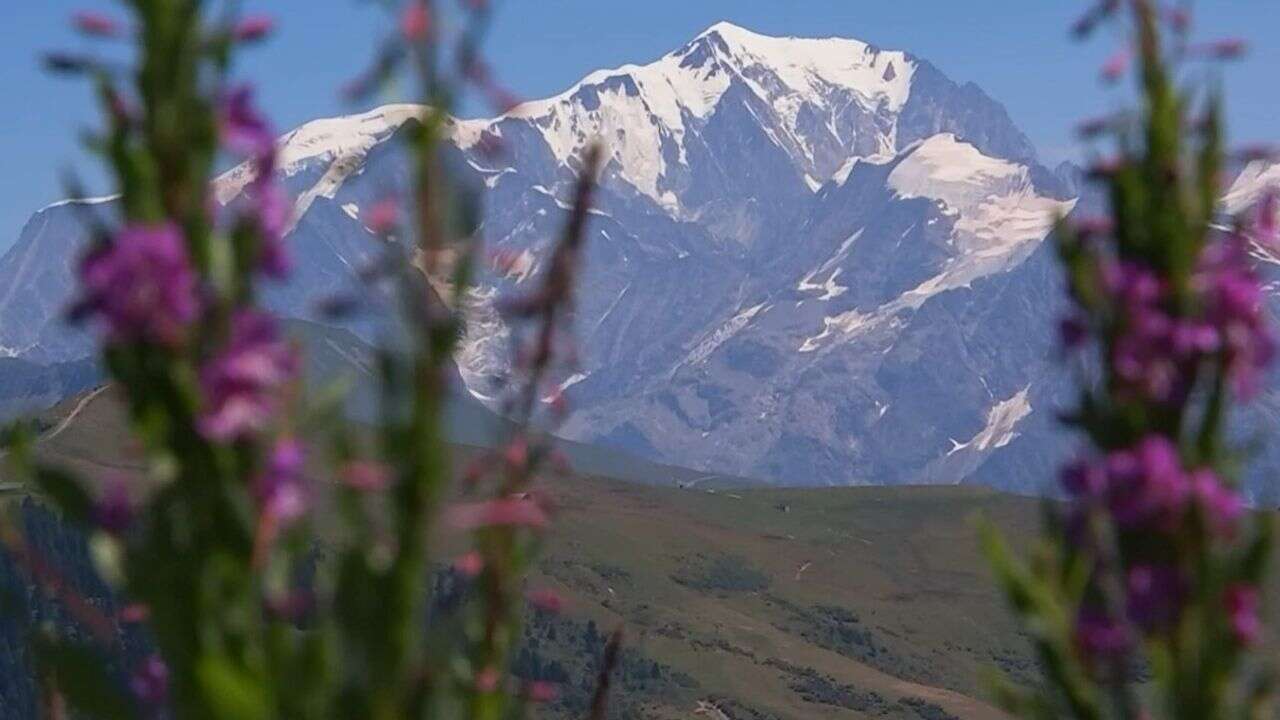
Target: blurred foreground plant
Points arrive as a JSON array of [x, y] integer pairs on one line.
[[215, 548], [1143, 598]]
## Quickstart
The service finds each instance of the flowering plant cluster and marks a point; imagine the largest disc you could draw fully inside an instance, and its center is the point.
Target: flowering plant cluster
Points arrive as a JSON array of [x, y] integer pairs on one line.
[[1144, 598], [214, 548]]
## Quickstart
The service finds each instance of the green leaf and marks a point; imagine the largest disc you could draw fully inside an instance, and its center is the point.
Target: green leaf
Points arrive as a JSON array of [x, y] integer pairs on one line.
[[231, 693], [67, 492]]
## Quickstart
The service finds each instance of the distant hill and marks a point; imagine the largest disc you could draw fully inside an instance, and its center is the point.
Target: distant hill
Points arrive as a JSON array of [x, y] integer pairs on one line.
[[739, 603]]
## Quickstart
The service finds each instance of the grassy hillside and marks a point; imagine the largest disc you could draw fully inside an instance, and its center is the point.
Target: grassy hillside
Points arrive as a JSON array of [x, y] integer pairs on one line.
[[743, 603]]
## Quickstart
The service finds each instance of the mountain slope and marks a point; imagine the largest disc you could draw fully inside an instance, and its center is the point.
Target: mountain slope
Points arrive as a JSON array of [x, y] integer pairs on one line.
[[810, 260]]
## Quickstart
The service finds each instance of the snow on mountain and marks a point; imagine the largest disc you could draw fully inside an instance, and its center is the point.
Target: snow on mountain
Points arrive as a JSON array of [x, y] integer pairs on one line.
[[646, 113], [339, 143], [810, 260], [1000, 215], [999, 218], [1256, 180]]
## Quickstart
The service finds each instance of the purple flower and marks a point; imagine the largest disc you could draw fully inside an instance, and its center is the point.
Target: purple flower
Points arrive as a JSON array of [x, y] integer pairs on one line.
[[271, 213], [150, 682], [1132, 283], [1192, 337], [1100, 637], [243, 127], [141, 285], [1234, 306], [1221, 506], [95, 24], [1155, 355], [506, 511], [279, 489], [113, 512], [246, 131], [241, 384], [1116, 65], [366, 476], [1083, 479], [1225, 49], [292, 606], [1146, 485], [1241, 603], [1073, 331], [253, 28], [384, 217], [415, 21], [1154, 596]]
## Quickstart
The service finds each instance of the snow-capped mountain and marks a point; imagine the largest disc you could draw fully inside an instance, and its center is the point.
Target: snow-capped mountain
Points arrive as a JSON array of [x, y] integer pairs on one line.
[[811, 260]]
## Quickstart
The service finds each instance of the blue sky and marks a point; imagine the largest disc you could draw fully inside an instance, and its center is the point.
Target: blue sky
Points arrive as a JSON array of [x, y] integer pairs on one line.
[[1017, 50]]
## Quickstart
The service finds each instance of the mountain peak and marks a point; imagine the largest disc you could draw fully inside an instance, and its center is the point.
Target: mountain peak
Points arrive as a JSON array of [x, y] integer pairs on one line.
[[730, 32], [807, 64]]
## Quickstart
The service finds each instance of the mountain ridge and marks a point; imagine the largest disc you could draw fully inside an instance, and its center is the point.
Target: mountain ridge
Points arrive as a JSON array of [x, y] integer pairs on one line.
[[889, 323]]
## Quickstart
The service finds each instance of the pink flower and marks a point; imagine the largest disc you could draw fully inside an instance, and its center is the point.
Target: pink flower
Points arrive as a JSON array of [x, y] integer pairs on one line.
[[415, 21], [1093, 226], [546, 600], [272, 211], [1073, 332], [1147, 485], [487, 680], [253, 28], [1116, 65], [516, 454], [1100, 637], [241, 383], [507, 511], [1083, 479], [470, 565], [384, 217], [1222, 506], [1226, 49], [134, 613], [1234, 305], [279, 489], [150, 682], [114, 512], [243, 127], [95, 24], [366, 476], [291, 605], [1155, 354], [540, 691], [141, 285], [1242, 603], [1154, 596]]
